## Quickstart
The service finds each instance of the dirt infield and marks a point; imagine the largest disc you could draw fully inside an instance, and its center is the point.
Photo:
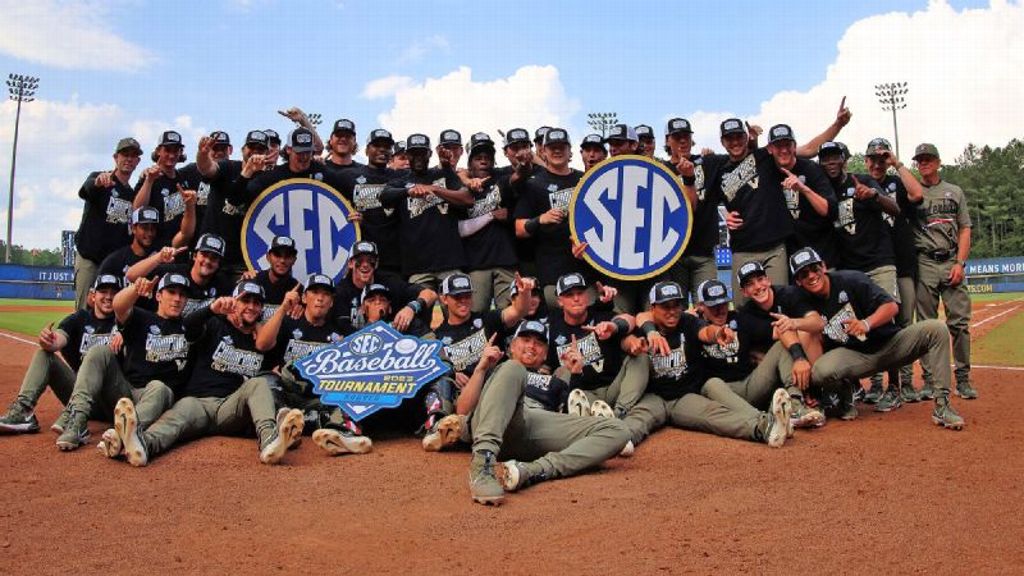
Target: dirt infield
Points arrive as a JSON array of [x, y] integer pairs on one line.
[[886, 493]]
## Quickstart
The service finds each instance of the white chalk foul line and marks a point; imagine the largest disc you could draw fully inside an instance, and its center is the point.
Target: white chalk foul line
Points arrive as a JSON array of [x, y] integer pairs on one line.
[[18, 339], [993, 317]]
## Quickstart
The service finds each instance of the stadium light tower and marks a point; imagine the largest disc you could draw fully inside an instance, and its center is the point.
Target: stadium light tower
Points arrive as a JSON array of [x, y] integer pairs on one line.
[[22, 89], [602, 121], [891, 97]]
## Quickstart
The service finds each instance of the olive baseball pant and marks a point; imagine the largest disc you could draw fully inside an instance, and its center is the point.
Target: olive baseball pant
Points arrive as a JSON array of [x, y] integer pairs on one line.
[[718, 410], [292, 392], [101, 383], [933, 285], [491, 283], [560, 444], [774, 370], [775, 265], [885, 278], [908, 304], [251, 405], [640, 412], [690, 271], [85, 274], [46, 369]]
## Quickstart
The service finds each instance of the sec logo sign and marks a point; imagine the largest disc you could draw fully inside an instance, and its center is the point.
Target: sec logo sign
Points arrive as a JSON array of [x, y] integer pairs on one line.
[[632, 213], [311, 213]]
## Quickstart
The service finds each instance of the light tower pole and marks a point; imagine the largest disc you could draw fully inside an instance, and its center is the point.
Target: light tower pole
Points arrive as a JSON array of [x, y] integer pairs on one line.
[[891, 97]]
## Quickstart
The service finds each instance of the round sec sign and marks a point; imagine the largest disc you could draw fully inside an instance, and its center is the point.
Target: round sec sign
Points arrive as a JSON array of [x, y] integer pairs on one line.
[[632, 213], [311, 213]]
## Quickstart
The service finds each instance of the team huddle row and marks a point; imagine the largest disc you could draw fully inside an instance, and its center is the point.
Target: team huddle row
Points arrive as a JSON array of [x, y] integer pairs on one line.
[[201, 354]]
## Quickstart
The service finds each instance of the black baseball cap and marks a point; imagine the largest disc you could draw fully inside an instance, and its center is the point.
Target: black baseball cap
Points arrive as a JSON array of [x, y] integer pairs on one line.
[[272, 136], [678, 125], [556, 136], [517, 136], [300, 140], [450, 138], [220, 138], [344, 125], [376, 289], [780, 132], [169, 138], [380, 135], [145, 215], [712, 293], [249, 288], [827, 148], [257, 138], [750, 270], [417, 142], [104, 280], [803, 258], [732, 126], [667, 291], [364, 248], [876, 146], [622, 132], [128, 144], [457, 283], [532, 327], [210, 243], [172, 279], [283, 243], [539, 133], [399, 147], [644, 131], [319, 281], [592, 140], [569, 282], [480, 142]]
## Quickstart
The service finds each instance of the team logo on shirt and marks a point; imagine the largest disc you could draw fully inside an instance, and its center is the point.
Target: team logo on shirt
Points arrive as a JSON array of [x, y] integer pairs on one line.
[[165, 348], [466, 352], [745, 173], [835, 327], [633, 215], [793, 199], [226, 358], [589, 348], [312, 213], [673, 366], [91, 339], [367, 196], [174, 204], [845, 218], [489, 203], [118, 210]]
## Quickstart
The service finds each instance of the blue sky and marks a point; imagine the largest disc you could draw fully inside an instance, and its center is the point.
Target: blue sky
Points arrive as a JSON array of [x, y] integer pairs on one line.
[[113, 68]]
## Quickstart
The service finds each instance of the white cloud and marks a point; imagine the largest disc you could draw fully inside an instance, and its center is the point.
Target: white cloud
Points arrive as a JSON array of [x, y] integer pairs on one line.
[[532, 96], [67, 35], [420, 48], [962, 68], [385, 87], [59, 143]]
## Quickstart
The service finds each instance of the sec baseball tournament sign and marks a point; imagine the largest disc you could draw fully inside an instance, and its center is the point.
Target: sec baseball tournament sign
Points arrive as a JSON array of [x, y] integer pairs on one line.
[[310, 212], [633, 215], [373, 369]]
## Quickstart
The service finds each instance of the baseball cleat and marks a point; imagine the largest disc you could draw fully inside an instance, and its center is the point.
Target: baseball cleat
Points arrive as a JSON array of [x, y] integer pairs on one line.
[[578, 404], [601, 409], [76, 432], [110, 446], [58, 425], [19, 420], [966, 391], [484, 486], [889, 401], [448, 431], [286, 430], [627, 450], [281, 413], [779, 430], [335, 442], [126, 424], [944, 415]]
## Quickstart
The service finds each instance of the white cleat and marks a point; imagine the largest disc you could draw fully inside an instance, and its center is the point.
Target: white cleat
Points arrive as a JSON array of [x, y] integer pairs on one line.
[[126, 424], [781, 413], [110, 446], [627, 450], [334, 442], [578, 404], [601, 409], [288, 428]]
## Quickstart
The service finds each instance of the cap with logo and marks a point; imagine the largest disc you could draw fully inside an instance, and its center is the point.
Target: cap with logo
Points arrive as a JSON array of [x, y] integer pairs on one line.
[[380, 136], [300, 140], [827, 148], [532, 327], [169, 138], [172, 279], [283, 244], [517, 136], [320, 281], [105, 280], [556, 136], [210, 243], [569, 282], [249, 288], [803, 258], [678, 126], [877, 146], [417, 142], [667, 291], [732, 126], [622, 132], [592, 140], [220, 138], [257, 138], [926, 150], [128, 144], [376, 289], [750, 270], [780, 132], [712, 293], [364, 248], [145, 215], [272, 136], [450, 138], [457, 283], [539, 133], [480, 142], [400, 147], [644, 131], [344, 125]]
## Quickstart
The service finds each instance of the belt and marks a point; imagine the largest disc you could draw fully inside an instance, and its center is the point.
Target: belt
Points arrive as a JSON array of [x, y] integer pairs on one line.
[[939, 255]]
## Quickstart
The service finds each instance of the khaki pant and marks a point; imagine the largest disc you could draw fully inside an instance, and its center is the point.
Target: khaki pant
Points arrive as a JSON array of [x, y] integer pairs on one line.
[[885, 278], [626, 396], [493, 283], [774, 370], [252, 405], [430, 280], [85, 275], [926, 339], [775, 265], [560, 444], [931, 287], [720, 411], [101, 383], [908, 303], [46, 370], [291, 392], [690, 271]]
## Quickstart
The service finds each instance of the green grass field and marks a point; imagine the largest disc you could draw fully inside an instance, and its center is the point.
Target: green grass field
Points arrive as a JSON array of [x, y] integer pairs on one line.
[[30, 322]]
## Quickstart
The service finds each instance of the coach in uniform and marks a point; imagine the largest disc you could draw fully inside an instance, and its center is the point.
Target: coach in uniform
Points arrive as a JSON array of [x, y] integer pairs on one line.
[[108, 207], [942, 236]]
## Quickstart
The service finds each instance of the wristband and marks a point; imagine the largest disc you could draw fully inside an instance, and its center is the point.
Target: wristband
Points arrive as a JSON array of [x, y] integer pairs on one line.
[[532, 226], [689, 180], [415, 306], [621, 326], [648, 327], [867, 326], [796, 352]]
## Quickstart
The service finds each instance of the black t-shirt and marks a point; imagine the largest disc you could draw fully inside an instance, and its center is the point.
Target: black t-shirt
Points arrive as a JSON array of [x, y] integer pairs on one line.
[[222, 216], [753, 188], [704, 232], [223, 356], [362, 186], [198, 296], [864, 235], [119, 261], [682, 371], [155, 348], [274, 291], [105, 218], [602, 358], [542, 192], [299, 338], [165, 197], [347, 297], [84, 330], [340, 169], [809, 227], [255, 186], [733, 361], [760, 325], [428, 227], [902, 231], [552, 392], [493, 246], [190, 173], [465, 343]]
